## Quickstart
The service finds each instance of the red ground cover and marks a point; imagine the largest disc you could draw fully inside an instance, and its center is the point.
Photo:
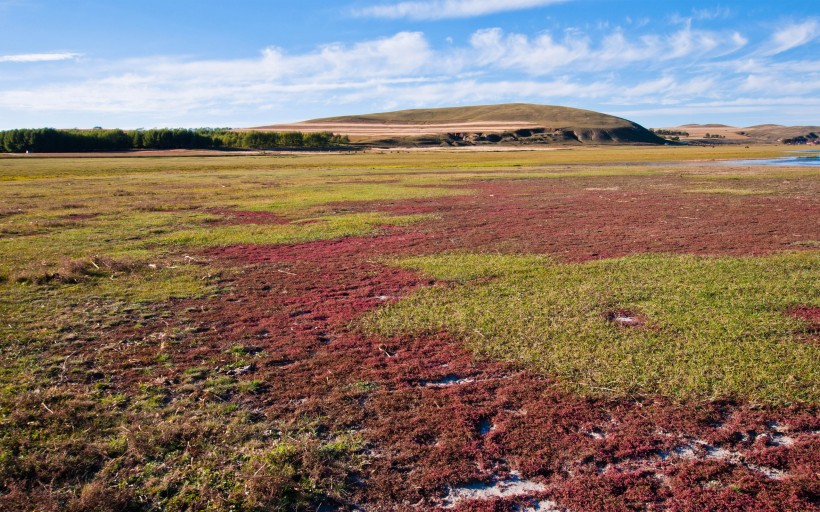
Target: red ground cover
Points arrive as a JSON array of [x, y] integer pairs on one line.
[[435, 418]]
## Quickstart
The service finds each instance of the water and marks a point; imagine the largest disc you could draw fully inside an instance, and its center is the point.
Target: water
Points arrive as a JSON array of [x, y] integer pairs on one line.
[[809, 158]]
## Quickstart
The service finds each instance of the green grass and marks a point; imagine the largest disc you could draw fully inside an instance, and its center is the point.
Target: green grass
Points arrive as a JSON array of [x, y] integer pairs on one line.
[[714, 327], [307, 230], [15, 169]]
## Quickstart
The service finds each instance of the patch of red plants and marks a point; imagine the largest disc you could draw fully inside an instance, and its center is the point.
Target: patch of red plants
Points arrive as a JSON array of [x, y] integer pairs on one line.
[[434, 418], [239, 217], [811, 315]]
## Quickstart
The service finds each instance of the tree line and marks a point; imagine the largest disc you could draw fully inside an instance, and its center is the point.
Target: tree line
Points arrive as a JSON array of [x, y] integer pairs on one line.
[[50, 140], [679, 133]]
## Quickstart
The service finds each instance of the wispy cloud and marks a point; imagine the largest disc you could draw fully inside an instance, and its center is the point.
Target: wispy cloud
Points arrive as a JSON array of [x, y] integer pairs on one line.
[[792, 36], [544, 54], [715, 13], [448, 9], [39, 57]]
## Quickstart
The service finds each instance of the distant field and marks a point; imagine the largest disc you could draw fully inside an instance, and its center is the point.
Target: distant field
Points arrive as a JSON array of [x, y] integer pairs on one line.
[[621, 328]]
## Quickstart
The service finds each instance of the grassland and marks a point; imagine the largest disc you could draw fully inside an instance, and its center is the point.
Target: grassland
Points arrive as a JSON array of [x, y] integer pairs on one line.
[[689, 327], [261, 333]]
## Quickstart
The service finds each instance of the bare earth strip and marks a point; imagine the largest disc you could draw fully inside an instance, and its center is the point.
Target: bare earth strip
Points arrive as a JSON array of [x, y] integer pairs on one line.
[[397, 129]]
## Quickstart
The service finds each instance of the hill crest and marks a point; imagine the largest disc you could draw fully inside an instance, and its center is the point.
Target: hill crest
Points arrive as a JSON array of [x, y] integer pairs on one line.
[[513, 123], [526, 113]]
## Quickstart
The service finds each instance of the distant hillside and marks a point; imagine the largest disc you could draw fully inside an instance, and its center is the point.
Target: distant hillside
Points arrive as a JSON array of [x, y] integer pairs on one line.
[[706, 126], [515, 123], [543, 115], [778, 133], [760, 134]]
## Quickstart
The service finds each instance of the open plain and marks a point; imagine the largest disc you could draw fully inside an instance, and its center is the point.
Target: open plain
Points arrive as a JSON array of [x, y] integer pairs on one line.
[[610, 329]]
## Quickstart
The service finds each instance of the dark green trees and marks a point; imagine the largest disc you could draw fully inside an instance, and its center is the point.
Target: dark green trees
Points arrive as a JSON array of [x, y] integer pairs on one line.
[[49, 140]]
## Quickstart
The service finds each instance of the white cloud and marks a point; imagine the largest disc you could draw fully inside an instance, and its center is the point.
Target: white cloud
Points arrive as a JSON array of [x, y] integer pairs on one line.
[[712, 14], [447, 9], [170, 84], [544, 54], [39, 57], [765, 83], [792, 36], [538, 56], [601, 71]]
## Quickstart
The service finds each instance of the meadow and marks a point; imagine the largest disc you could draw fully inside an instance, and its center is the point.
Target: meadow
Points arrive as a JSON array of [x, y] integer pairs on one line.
[[620, 328]]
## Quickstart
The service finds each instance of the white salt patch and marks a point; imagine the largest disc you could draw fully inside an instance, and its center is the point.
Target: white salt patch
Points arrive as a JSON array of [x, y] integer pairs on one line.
[[596, 434], [687, 451], [770, 473], [778, 439], [777, 427], [509, 488], [541, 506]]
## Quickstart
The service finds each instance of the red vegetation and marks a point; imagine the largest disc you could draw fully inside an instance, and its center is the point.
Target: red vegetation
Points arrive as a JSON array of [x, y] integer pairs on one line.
[[434, 418], [236, 217], [811, 315]]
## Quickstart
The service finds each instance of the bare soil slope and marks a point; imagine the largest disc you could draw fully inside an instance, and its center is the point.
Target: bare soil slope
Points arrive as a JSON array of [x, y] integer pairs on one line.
[[759, 134], [776, 132], [519, 123]]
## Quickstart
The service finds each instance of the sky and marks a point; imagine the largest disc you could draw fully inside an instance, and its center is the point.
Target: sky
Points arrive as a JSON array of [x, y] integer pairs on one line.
[[243, 63]]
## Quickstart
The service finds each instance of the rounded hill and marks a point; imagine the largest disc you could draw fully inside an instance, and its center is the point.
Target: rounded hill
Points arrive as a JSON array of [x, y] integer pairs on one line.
[[514, 123], [512, 113]]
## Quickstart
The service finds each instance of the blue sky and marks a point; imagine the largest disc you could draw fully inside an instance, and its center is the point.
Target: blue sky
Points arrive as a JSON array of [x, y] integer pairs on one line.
[[246, 63]]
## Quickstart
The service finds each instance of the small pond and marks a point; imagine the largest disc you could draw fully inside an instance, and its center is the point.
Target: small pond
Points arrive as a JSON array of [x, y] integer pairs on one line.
[[800, 159]]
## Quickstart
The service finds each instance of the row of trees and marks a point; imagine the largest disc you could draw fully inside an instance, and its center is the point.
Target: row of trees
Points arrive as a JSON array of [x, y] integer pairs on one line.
[[809, 138], [679, 133], [49, 140]]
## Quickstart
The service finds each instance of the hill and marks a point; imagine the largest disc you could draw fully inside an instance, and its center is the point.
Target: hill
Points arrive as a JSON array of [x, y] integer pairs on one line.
[[514, 123], [778, 133], [759, 134]]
